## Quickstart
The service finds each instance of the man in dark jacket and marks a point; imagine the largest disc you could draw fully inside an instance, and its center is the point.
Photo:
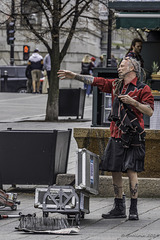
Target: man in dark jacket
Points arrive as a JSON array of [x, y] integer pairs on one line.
[[29, 78], [36, 62]]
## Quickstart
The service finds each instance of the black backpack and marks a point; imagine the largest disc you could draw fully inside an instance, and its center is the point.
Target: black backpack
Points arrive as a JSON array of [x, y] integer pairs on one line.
[[86, 67]]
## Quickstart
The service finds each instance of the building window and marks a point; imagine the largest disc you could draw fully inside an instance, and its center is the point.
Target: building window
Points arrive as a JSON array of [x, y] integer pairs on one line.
[[31, 11]]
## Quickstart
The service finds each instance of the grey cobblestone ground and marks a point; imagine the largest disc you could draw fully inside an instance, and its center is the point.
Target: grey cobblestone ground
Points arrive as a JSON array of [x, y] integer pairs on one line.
[[31, 109]]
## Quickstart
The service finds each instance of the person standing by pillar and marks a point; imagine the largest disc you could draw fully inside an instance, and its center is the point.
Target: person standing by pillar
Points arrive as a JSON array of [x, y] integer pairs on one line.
[[113, 61], [100, 63], [47, 66]]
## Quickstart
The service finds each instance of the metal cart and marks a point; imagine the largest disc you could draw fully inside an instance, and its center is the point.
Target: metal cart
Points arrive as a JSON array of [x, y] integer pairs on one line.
[[74, 202], [64, 200]]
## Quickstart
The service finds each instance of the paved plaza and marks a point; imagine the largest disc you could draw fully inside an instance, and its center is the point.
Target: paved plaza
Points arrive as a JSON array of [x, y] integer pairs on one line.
[[27, 112]]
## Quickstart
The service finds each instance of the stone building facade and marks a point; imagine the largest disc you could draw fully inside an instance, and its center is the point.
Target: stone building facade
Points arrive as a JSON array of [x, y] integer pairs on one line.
[[85, 42], [91, 39]]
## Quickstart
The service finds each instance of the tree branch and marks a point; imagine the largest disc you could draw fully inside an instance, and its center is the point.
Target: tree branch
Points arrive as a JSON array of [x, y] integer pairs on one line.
[[33, 30], [73, 26], [40, 3]]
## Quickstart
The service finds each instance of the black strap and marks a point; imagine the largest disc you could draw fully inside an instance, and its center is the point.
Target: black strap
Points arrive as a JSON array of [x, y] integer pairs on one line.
[[127, 122]]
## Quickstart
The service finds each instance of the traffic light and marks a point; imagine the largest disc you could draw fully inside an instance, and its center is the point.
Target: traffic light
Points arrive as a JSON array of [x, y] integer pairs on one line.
[[26, 51], [10, 32]]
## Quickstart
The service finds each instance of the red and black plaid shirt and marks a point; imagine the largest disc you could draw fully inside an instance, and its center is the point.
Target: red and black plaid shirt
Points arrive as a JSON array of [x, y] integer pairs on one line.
[[142, 95]]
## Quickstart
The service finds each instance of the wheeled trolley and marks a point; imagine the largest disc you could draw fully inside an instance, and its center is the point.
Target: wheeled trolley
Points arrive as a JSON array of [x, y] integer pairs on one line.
[[64, 200], [74, 202]]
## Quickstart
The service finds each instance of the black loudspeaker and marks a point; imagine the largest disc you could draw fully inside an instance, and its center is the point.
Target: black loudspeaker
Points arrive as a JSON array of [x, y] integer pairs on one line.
[[71, 102], [33, 157]]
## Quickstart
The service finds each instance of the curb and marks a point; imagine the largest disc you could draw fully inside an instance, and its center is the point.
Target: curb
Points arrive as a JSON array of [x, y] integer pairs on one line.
[[148, 187]]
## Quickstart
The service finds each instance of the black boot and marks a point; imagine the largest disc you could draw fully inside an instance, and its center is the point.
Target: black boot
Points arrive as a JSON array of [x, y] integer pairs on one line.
[[133, 213], [119, 210]]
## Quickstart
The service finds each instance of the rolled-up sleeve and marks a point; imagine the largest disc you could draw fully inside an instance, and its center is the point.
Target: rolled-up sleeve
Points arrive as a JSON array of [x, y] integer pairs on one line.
[[105, 85], [147, 97]]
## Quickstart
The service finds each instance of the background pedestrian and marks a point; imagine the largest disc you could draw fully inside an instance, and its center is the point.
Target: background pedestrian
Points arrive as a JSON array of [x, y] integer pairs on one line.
[[47, 66], [29, 78], [36, 63], [86, 69], [135, 50]]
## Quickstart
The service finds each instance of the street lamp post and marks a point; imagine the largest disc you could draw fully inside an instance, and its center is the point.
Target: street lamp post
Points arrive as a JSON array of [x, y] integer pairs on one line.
[[109, 44], [12, 45]]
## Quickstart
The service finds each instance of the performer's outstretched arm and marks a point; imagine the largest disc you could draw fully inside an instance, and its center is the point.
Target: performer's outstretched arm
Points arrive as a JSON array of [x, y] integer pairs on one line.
[[64, 74]]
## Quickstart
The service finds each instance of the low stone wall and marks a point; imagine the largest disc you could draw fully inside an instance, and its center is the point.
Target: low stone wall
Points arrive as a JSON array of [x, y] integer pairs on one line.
[[148, 187], [95, 140]]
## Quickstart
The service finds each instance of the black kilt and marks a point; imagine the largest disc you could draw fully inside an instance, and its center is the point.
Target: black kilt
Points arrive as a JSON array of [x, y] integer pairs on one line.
[[116, 158]]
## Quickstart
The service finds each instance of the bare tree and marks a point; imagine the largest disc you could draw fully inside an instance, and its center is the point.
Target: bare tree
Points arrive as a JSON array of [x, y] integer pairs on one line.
[[61, 19]]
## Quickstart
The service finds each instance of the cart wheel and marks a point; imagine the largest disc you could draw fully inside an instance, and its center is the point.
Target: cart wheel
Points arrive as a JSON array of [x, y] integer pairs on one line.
[[45, 214], [69, 216], [77, 219], [82, 215], [14, 207]]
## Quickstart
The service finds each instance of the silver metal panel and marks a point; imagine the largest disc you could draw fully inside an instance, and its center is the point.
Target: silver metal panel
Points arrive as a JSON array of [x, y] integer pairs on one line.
[[87, 172], [54, 192], [84, 202]]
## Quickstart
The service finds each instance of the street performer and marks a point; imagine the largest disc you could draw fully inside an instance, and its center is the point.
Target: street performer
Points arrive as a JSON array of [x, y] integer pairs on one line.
[[125, 151]]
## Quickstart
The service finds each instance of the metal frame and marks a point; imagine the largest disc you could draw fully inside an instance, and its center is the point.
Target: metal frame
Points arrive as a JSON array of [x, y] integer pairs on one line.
[[63, 200], [133, 6]]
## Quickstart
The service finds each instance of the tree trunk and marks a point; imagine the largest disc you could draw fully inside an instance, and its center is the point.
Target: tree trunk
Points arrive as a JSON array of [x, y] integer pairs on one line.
[[52, 110]]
